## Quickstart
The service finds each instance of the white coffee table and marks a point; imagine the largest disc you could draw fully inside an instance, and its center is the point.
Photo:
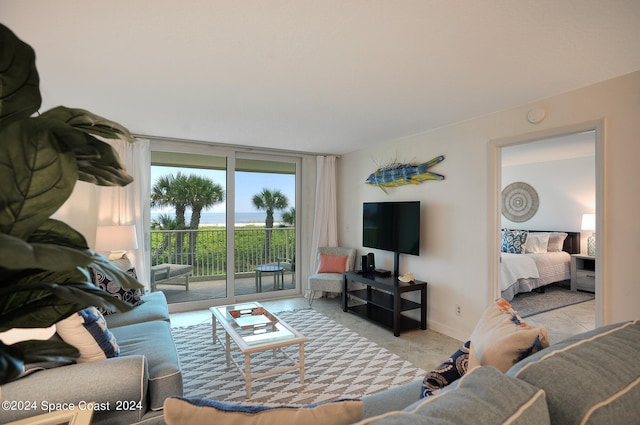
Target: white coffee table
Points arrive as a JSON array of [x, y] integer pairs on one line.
[[255, 330]]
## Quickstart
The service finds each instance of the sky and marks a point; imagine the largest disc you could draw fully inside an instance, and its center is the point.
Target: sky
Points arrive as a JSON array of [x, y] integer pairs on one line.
[[247, 185]]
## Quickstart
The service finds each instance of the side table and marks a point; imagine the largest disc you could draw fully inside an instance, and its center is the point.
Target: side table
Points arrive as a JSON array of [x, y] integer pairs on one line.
[[583, 273]]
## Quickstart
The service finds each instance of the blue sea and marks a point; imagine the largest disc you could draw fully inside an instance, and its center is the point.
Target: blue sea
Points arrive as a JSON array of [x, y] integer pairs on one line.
[[219, 219]]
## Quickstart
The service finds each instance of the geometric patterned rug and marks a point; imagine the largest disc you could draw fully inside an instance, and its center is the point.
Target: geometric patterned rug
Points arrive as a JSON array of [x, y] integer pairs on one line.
[[338, 364]]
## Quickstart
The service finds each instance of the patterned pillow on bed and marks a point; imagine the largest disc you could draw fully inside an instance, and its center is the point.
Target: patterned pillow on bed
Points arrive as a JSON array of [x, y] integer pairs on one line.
[[513, 241]]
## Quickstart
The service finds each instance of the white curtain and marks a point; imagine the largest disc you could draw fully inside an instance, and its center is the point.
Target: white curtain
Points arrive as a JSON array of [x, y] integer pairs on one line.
[[325, 221], [130, 204]]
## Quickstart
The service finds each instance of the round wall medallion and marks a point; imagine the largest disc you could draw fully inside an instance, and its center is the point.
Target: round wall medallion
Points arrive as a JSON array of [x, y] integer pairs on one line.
[[519, 202]]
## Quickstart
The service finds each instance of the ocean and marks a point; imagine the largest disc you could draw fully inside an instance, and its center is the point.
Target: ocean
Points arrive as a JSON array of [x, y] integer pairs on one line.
[[218, 218]]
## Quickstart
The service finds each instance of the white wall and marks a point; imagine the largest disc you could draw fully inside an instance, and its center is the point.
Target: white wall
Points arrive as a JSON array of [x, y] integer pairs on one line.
[[454, 254], [566, 191]]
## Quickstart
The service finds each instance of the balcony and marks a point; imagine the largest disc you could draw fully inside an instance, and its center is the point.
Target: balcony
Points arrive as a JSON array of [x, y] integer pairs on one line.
[[206, 250]]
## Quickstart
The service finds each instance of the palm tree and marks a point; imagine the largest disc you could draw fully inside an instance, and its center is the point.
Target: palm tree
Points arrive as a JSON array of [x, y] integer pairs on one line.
[[203, 193], [173, 191], [289, 217], [269, 201]]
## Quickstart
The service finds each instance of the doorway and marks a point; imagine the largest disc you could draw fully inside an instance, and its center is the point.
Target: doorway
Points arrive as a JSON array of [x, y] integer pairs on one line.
[[499, 148]]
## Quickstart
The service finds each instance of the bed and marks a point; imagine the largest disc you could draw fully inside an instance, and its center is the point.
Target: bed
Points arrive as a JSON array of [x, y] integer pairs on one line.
[[532, 259]]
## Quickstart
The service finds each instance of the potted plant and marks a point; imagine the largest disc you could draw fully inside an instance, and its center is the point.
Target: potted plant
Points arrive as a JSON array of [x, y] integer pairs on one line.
[[44, 262]]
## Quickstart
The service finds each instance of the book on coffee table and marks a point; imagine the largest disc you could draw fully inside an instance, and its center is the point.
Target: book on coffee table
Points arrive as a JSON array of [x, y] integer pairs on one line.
[[252, 317]]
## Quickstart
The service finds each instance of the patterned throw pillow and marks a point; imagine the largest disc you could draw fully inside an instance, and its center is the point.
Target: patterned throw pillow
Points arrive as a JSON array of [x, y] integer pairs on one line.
[[501, 338], [513, 241], [87, 331], [104, 282], [449, 371]]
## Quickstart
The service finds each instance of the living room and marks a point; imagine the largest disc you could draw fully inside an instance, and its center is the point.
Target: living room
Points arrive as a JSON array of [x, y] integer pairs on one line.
[[459, 256]]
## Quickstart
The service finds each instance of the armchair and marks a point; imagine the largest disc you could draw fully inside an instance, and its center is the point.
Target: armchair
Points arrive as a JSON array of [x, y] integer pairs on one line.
[[328, 278]]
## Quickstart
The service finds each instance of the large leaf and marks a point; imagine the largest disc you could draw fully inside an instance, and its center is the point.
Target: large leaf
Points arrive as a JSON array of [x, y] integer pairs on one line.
[[89, 123], [14, 357], [37, 174], [19, 81], [98, 162], [59, 233], [16, 255], [42, 304]]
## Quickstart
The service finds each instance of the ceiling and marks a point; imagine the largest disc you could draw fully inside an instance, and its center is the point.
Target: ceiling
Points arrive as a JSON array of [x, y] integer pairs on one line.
[[330, 76]]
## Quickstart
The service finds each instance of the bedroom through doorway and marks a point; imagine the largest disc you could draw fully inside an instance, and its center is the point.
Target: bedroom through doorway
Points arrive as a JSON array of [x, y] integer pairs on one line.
[[547, 186]]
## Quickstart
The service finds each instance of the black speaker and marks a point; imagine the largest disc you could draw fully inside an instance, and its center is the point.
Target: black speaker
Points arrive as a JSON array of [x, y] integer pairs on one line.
[[371, 262], [363, 264]]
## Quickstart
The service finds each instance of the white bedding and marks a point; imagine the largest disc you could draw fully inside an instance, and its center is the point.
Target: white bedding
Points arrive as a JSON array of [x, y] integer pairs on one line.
[[518, 275], [514, 267]]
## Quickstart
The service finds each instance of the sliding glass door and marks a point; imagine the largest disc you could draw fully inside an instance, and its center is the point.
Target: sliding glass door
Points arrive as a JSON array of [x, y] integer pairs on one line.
[[265, 232], [188, 226], [223, 225]]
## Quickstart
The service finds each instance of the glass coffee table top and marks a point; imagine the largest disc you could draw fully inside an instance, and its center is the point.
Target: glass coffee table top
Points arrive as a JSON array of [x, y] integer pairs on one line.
[[252, 324]]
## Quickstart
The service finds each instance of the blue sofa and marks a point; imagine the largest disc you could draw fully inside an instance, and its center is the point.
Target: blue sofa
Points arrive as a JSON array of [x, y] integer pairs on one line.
[[592, 378], [133, 385]]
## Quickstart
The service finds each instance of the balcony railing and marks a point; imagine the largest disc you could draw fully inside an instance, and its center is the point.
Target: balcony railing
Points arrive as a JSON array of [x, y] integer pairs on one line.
[[206, 249]]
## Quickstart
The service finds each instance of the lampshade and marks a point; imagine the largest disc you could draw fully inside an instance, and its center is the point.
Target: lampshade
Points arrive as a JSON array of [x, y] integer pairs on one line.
[[116, 238], [588, 222]]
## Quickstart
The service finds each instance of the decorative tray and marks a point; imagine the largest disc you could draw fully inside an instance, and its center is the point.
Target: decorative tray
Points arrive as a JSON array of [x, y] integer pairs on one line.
[[251, 317]]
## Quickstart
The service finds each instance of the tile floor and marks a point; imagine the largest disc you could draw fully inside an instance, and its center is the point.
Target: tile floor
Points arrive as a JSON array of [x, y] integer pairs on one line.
[[424, 349]]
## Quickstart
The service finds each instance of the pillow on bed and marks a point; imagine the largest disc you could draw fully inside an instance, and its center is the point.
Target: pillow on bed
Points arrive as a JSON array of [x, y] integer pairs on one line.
[[536, 243], [556, 241], [513, 241]]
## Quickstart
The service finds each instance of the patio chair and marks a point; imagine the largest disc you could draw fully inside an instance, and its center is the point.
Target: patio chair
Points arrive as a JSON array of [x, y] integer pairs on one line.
[[289, 264], [168, 273], [330, 280]]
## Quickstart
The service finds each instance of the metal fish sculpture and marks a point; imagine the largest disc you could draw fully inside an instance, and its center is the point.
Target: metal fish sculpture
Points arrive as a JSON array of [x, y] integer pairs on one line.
[[401, 174]]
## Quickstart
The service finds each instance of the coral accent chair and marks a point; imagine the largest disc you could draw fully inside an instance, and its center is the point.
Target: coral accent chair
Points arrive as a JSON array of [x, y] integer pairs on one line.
[[333, 262]]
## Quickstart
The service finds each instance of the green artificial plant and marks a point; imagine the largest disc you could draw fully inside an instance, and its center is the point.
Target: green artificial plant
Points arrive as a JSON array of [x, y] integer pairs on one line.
[[44, 262]]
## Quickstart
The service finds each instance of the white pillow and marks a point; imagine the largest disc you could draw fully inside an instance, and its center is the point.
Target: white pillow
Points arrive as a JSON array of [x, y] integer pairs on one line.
[[87, 331], [536, 243]]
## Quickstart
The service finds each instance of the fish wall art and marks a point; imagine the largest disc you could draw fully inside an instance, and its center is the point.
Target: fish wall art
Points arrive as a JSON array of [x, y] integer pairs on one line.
[[401, 174]]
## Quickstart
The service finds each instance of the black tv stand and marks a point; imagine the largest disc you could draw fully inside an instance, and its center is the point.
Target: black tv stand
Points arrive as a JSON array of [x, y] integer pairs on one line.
[[381, 301]]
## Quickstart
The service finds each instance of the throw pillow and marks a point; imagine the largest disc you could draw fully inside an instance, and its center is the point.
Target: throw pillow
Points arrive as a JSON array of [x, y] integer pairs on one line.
[[333, 263], [501, 338], [186, 411], [449, 371], [104, 282], [513, 241], [483, 396], [87, 331], [556, 241], [536, 243]]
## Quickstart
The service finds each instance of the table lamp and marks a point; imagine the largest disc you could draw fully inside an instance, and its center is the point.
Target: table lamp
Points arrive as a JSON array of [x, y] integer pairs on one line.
[[116, 240], [589, 223]]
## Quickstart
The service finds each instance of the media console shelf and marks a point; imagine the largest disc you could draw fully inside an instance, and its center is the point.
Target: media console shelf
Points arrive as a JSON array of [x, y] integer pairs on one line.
[[381, 300]]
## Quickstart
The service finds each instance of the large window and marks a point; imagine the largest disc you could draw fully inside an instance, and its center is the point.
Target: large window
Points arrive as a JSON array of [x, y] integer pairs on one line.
[[226, 219]]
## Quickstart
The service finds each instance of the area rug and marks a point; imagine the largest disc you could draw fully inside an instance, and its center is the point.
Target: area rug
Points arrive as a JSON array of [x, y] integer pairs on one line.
[[339, 363], [554, 297]]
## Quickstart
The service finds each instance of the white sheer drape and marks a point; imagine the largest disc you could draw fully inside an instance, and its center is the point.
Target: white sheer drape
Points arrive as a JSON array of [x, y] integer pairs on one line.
[[325, 222], [130, 204]]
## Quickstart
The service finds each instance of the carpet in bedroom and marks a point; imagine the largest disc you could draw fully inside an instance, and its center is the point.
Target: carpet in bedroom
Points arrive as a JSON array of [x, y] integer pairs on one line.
[[554, 297], [339, 363]]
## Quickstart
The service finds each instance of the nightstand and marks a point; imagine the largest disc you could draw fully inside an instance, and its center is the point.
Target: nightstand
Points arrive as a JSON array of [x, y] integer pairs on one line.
[[583, 273]]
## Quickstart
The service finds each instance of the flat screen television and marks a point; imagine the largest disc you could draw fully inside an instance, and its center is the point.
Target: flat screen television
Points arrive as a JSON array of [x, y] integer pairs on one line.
[[392, 226]]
